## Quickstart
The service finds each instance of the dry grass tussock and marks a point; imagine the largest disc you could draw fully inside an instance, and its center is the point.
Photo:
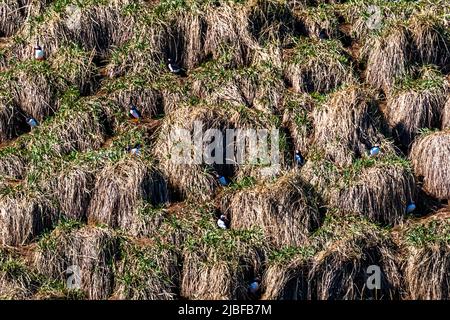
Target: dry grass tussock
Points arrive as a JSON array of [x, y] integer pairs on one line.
[[94, 27], [187, 179], [24, 216], [71, 188], [346, 125], [16, 280], [387, 57], [416, 104], [258, 87], [429, 157], [333, 265], [285, 210], [380, 193], [206, 275], [318, 66], [92, 249], [146, 272], [426, 246], [120, 190]]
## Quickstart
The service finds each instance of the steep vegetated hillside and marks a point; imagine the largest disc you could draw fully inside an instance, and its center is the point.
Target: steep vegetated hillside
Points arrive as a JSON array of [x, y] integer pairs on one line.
[[83, 186]]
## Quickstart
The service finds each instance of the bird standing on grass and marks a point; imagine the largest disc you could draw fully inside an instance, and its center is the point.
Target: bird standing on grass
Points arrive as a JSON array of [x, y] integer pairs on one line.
[[222, 222], [298, 158], [39, 52], [32, 122], [374, 151], [173, 67], [410, 208], [134, 112]]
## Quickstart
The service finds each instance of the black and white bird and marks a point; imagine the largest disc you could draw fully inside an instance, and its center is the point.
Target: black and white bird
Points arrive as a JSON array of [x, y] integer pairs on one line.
[[222, 222], [136, 150], [298, 158], [254, 286], [173, 67], [411, 207], [374, 151], [32, 122], [39, 52], [221, 179], [323, 35], [135, 114]]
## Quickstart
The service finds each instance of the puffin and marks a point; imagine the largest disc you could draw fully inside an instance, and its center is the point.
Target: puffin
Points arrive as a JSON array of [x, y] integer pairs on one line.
[[39, 53], [254, 286], [374, 151], [298, 158], [221, 179], [32, 122], [411, 207], [134, 112], [222, 222], [173, 67], [323, 35], [136, 150]]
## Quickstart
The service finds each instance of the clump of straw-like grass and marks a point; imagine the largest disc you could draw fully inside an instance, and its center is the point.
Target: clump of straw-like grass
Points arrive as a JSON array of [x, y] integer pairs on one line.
[[426, 245], [285, 277], [379, 192], [416, 104], [429, 157], [175, 153], [322, 18], [203, 279], [12, 163], [345, 125], [76, 67], [370, 18], [446, 116], [333, 264], [320, 173], [120, 189], [140, 55], [318, 66], [191, 27], [76, 127], [91, 250], [215, 263], [257, 87], [134, 90], [285, 210], [227, 32], [23, 216], [35, 89], [17, 281], [93, 25], [298, 120], [106, 26], [430, 38], [387, 56], [349, 247], [12, 16], [146, 271], [12, 123], [269, 20], [71, 188]]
